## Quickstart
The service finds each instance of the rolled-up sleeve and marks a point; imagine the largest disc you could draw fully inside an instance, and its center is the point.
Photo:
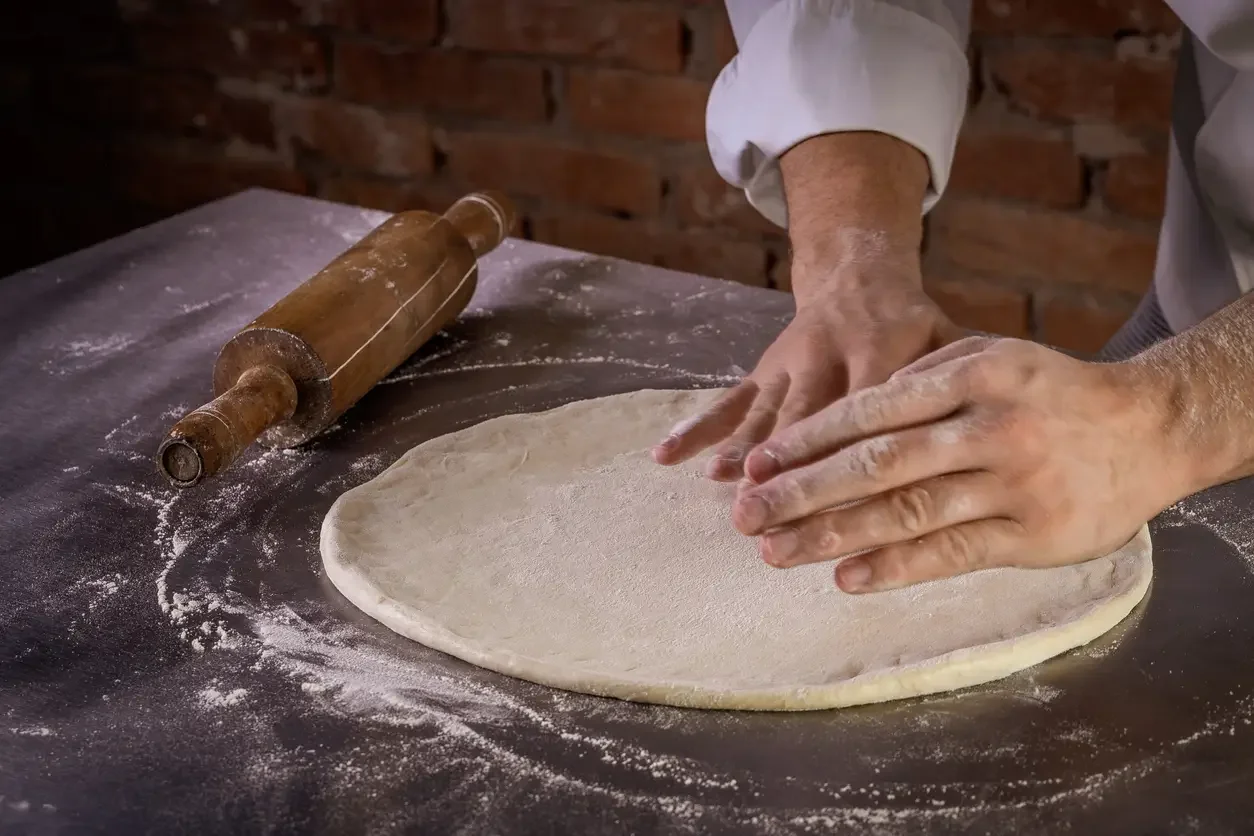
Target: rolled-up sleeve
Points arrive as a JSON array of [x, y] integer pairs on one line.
[[811, 67]]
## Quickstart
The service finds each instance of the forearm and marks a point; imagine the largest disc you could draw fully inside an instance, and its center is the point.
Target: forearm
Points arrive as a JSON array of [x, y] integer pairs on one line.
[[1204, 381], [851, 196]]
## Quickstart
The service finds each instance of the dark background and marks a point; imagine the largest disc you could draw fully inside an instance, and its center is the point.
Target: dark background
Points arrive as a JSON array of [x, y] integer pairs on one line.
[[591, 112]]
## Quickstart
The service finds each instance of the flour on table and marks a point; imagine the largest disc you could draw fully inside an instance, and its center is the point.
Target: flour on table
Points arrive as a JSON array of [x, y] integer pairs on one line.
[[471, 730]]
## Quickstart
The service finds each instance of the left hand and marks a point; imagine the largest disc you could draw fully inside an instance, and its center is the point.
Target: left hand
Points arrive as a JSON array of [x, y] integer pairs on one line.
[[872, 319], [986, 453]]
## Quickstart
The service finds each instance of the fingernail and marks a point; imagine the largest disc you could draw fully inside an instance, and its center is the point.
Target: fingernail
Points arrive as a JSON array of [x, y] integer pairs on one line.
[[750, 513], [669, 442], [780, 546], [732, 454], [724, 467], [764, 465], [853, 575]]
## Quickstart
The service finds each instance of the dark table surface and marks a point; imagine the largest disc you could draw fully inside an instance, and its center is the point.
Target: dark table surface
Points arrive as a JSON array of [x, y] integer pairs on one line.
[[176, 662]]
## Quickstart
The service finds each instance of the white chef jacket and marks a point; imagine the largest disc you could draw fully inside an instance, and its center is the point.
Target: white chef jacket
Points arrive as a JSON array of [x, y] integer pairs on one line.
[[899, 67]]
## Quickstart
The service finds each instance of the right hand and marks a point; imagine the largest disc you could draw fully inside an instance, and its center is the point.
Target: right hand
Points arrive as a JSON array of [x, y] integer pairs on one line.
[[868, 319]]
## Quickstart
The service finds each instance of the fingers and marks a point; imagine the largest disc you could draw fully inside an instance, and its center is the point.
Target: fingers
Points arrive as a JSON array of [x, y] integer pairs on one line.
[[720, 420], [899, 403], [945, 553], [897, 516], [952, 351], [861, 470], [727, 464], [806, 397]]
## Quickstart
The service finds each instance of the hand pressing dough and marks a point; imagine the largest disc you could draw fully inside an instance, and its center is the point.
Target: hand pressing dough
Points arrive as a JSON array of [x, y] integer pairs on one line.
[[550, 547]]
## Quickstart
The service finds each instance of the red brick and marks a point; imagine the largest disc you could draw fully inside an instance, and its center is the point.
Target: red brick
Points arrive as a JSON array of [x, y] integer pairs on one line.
[[1069, 85], [1017, 166], [414, 21], [442, 79], [286, 57], [546, 169], [1091, 18], [666, 107], [980, 305], [995, 239], [358, 138], [1079, 324], [704, 198], [625, 33], [1137, 185], [174, 178], [691, 252], [390, 195]]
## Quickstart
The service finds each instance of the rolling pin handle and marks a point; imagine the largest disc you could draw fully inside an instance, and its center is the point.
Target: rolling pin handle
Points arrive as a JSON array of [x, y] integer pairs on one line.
[[209, 438], [485, 219]]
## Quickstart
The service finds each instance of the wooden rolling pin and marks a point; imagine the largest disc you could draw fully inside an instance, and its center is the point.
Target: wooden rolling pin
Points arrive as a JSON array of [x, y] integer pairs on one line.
[[296, 368]]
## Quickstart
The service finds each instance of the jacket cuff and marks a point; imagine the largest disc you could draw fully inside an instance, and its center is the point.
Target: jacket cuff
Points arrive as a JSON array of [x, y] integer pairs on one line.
[[812, 67]]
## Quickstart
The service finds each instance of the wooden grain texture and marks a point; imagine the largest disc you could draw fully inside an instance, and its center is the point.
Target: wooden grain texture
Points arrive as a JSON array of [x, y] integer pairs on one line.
[[325, 344]]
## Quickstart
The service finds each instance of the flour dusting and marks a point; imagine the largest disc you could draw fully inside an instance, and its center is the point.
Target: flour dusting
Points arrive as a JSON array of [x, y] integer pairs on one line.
[[79, 355], [461, 716], [240, 587], [215, 698]]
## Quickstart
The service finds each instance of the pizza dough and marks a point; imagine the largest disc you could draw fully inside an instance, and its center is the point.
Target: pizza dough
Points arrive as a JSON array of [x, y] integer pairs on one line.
[[550, 547]]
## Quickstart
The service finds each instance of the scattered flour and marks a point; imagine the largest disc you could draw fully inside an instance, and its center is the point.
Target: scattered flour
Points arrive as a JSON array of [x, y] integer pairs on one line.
[[469, 718], [78, 355], [112, 344], [214, 698], [101, 589], [193, 307], [233, 587]]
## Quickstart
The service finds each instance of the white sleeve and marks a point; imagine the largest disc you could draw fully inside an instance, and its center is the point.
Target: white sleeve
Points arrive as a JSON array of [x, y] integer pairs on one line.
[[811, 67]]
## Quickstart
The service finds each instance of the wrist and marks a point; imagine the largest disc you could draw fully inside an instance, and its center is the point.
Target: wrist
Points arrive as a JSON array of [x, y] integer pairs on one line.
[[865, 263], [1173, 426], [854, 192]]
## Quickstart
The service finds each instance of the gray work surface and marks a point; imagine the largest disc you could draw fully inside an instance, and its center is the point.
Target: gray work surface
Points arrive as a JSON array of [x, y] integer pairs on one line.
[[175, 662]]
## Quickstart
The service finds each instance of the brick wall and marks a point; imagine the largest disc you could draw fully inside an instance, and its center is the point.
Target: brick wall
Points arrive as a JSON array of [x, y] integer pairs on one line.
[[591, 113]]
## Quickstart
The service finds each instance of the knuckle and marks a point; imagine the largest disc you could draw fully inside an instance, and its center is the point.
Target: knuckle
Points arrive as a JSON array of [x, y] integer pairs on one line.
[[973, 343], [820, 533], [958, 549], [873, 457], [979, 376], [912, 509], [793, 490], [800, 489], [1017, 437], [863, 411], [828, 541]]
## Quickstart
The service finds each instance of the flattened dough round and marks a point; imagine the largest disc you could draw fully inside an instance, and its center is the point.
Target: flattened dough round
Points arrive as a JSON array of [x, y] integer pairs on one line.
[[550, 547]]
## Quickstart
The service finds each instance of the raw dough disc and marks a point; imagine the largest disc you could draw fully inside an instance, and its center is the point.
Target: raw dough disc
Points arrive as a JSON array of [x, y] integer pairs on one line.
[[550, 547]]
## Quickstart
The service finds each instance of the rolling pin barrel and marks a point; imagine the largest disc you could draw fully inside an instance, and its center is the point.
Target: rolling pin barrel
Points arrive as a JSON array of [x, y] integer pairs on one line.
[[296, 368]]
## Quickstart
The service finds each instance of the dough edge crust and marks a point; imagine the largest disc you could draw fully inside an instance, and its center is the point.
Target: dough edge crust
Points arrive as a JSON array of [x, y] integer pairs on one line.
[[951, 671]]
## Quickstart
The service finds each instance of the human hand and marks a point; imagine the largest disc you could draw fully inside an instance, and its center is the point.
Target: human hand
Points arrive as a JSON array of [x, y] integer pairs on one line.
[[871, 319], [986, 453]]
